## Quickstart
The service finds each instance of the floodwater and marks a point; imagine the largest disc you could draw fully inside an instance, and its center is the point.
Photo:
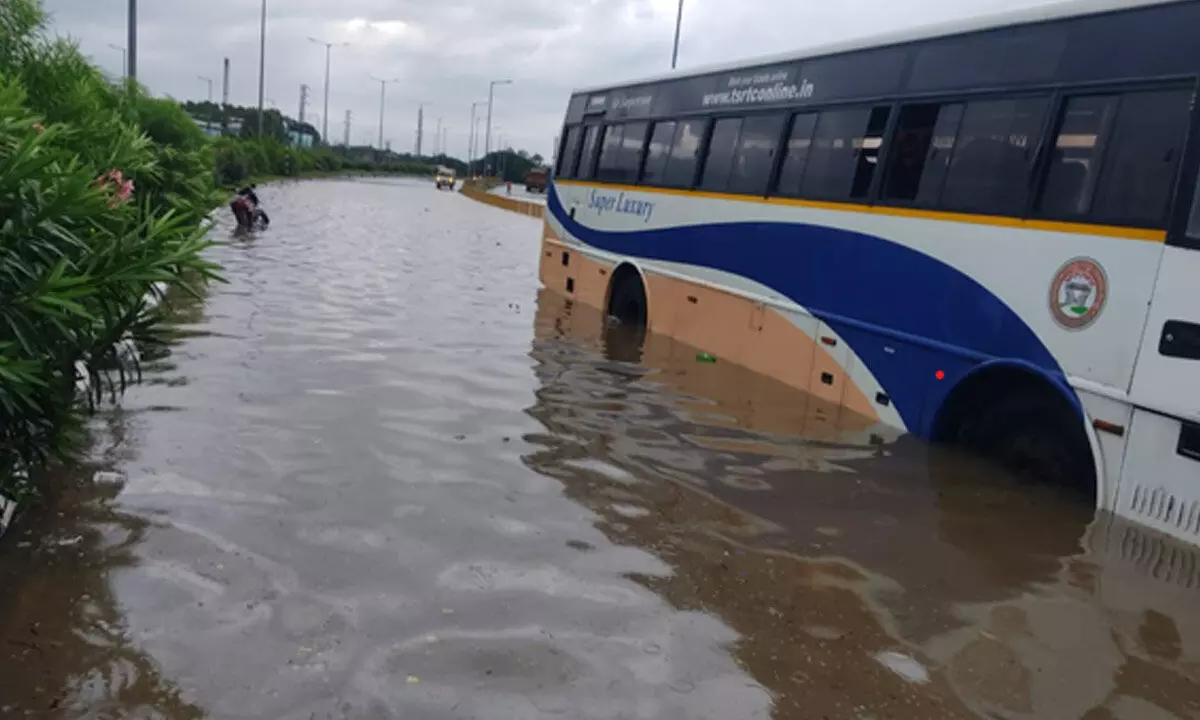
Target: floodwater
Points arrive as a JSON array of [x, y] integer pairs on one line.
[[379, 475]]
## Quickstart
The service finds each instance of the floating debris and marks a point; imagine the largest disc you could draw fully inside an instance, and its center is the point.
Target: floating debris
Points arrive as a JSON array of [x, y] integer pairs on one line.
[[903, 665]]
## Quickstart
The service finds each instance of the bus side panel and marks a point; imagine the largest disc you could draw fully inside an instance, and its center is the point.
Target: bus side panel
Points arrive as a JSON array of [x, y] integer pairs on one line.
[[1159, 485]]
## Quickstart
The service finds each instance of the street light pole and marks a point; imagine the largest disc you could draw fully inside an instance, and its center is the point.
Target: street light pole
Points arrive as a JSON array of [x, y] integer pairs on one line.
[[382, 103], [678, 25], [124, 60], [471, 138], [475, 133], [262, 66], [208, 122], [325, 113], [487, 137], [131, 59]]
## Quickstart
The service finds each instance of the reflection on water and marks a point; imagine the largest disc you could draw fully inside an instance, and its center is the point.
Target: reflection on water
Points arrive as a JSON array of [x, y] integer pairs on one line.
[[356, 487]]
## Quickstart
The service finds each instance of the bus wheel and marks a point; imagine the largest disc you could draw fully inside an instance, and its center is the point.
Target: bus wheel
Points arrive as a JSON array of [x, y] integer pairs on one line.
[[627, 297], [1023, 424]]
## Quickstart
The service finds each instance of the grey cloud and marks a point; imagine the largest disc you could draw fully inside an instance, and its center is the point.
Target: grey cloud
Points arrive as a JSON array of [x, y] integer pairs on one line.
[[445, 52]]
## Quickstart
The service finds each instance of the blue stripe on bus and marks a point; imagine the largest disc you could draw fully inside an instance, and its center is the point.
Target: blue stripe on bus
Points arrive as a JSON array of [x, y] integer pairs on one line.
[[856, 282]]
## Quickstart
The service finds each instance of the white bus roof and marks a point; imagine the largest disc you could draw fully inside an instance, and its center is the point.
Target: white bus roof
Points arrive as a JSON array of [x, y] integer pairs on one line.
[[1023, 16]]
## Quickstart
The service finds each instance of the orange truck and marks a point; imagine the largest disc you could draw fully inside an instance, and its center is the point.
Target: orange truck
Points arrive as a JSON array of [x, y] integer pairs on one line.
[[537, 180]]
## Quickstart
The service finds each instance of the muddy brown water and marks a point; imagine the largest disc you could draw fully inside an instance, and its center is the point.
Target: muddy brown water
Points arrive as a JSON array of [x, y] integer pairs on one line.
[[380, 475]]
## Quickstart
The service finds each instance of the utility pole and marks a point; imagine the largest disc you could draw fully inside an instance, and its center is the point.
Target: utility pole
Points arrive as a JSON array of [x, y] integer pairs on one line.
[[225, 98], [437, 138], [303, 100], [262, 66], [487, 137], [348, 118], [131, 58], [445, 133], [325, 112], [420, 126], [382, 103]]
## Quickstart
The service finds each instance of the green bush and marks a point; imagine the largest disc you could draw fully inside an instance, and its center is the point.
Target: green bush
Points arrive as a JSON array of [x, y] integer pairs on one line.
[[102, 193]]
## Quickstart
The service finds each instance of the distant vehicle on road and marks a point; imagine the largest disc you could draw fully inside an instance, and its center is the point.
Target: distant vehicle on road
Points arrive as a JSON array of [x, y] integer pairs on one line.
[[444, 178], [926, 234], [537, 180]]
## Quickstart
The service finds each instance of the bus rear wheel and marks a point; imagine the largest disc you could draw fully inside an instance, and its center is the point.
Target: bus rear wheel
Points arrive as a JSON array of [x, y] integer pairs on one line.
[[627, 297]]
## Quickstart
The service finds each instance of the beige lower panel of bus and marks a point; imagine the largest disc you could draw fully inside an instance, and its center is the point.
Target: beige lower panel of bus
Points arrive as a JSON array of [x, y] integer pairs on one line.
[[733, 328]]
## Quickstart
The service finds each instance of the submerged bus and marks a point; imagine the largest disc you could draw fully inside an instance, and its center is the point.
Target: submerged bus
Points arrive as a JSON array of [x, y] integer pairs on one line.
[[985, 233]]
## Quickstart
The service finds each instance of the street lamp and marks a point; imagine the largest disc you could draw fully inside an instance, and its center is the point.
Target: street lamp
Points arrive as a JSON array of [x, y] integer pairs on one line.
[[208, 122], [325, 114], [471, 137], [678, 25], [495, 168], [475, 133], [262, 66], [124, 60], [131, 59], [382, 102], [487, 137]]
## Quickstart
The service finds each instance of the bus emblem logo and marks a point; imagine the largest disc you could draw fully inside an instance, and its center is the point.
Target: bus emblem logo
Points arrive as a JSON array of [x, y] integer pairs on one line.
[[1078, 293]]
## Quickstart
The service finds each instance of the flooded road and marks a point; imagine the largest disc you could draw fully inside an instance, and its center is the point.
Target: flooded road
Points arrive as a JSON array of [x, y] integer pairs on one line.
[[379, 475]]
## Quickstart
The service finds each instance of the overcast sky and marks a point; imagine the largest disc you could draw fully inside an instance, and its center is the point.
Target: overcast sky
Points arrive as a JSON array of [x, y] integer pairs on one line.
[[444, 52]]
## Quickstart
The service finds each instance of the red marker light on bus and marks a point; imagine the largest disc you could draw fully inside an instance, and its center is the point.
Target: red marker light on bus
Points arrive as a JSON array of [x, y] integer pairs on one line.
[[940, 375]]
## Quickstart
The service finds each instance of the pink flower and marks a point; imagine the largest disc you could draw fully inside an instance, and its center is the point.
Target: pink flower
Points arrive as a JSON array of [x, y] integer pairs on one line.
[[115, 180]]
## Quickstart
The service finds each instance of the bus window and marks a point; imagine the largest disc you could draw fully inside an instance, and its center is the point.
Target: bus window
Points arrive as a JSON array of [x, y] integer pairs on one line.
[[920, 152], [1138, 177], [568, 154], [610, 153], [1193, 226], [1075, 162], [844, 153], [719, 160], [989, 170], [796, 155], [681, 167], [633, 142], [657, 153], [756, 154], [587, 155]]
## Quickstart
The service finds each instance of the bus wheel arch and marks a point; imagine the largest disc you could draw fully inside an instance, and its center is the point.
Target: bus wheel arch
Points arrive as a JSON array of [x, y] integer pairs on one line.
[[626, 300], [1020, 417]]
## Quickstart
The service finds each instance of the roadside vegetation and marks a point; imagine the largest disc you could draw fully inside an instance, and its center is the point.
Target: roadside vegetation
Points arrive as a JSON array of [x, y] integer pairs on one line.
[[103, 191], [241, 160]]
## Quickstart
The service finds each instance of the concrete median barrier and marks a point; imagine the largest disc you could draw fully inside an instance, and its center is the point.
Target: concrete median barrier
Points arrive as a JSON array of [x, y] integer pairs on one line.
[[523, 207]]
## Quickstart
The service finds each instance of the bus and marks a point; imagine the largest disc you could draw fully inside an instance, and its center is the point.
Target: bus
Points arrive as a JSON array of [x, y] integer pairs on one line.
[[984, 233]]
